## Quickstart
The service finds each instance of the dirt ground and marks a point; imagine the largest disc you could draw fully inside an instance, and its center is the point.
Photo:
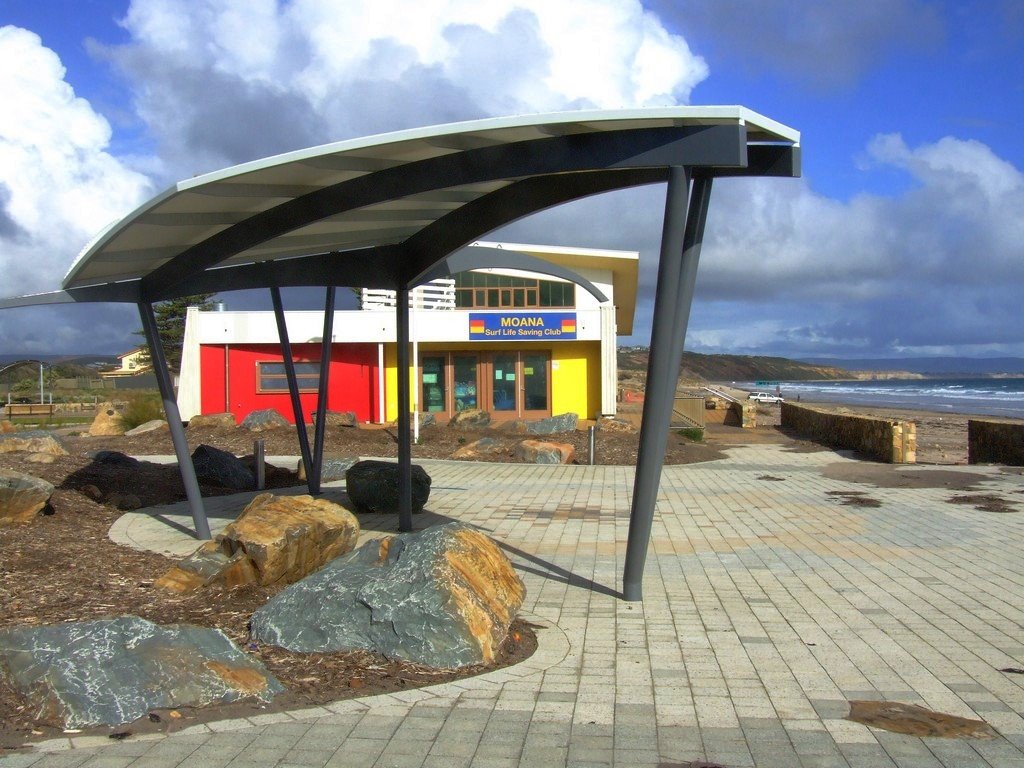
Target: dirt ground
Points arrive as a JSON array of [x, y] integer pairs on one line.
[[62, 567]]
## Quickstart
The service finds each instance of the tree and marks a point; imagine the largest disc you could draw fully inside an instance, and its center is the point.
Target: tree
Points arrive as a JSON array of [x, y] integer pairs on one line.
[[170, 323]]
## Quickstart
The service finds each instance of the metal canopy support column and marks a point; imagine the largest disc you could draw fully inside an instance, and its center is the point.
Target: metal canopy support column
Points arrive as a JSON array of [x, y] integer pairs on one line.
[[404, 438], [693, 240], [293, 385], [320, 427], [163, 380], [662, 373]]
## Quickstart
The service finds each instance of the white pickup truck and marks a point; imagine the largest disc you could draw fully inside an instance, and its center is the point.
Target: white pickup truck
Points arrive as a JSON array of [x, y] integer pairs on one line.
[[764, 397]]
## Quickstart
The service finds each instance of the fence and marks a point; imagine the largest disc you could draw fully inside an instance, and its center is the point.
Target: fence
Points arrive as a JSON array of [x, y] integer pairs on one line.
[[894, 442], [688, 411]]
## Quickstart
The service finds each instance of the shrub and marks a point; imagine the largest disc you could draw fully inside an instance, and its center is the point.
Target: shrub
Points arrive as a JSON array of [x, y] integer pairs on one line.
[[140, 408], [696, 434]]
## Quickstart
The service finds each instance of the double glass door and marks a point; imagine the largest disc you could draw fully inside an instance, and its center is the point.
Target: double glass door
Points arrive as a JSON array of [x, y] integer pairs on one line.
[[520, 383], [508, 384]]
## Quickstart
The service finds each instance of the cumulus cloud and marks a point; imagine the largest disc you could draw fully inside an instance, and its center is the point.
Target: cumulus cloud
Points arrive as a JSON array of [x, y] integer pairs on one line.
[[938, 263], [60, 184], [785, 269], [222, 81]]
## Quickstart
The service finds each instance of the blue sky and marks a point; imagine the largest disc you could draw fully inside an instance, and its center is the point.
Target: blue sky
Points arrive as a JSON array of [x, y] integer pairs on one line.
[[905, 236]]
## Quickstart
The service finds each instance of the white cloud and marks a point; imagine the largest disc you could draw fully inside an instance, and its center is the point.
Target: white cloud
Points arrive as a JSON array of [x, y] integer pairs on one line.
[[61, 184], [58, 183], [784, 268], [940, 263], [206, 74]]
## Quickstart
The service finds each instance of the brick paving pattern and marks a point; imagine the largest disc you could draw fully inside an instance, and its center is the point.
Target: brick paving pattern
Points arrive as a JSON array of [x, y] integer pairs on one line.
[[773, 595]]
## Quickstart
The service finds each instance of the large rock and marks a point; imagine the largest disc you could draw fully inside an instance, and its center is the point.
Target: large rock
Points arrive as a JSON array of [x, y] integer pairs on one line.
[[258, 421], [22, 496], [209, 565], [341, 419], [288, 537], [155, 425], [276, 540], [116, 459], [540, 452], [221, 468], [212, 421], [107, 422], [32, 441], [332, 469], [373, 486], [563, 422], [471, 418], [484, 447], [114, 671], [443, 597]]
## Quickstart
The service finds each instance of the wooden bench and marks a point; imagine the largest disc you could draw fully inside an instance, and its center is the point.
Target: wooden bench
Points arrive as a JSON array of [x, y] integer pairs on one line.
[[29, 409]]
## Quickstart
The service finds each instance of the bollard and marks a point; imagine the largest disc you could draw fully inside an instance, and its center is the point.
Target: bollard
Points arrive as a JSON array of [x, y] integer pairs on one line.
[[593, 442], [261, 466]]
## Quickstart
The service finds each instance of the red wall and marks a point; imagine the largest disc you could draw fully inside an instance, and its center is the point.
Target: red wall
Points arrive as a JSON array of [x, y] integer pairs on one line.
[[352, 385]]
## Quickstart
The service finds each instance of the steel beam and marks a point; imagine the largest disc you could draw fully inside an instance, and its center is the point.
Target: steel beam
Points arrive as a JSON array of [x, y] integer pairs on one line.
[[404, 435], [661, 378], [693, 240], [293, 386], [706, 145], [478, 257], [322, 386], [163, 381]]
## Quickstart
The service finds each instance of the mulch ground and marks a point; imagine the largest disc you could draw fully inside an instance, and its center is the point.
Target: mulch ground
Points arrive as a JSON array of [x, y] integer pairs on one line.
[[62, 567]]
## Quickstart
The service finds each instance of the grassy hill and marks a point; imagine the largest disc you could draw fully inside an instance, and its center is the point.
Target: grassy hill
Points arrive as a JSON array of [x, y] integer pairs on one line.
[[736, 367]]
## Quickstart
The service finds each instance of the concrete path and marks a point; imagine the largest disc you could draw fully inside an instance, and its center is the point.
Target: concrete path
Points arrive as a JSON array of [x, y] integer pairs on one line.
[[773, 596]]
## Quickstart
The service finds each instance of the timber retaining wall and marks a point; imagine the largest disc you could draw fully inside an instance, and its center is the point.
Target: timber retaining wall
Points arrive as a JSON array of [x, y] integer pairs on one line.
[[995, 441], [893, 442]]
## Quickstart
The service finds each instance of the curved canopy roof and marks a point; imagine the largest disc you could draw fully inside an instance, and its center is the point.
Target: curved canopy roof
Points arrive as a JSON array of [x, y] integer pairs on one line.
[[382, 211]]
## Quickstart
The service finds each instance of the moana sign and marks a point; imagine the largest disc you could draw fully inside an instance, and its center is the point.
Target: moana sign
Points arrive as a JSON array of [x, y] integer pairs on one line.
[[522, 326]]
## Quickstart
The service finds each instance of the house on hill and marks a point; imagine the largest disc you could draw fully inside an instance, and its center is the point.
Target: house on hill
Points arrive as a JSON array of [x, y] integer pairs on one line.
[[130, 364]]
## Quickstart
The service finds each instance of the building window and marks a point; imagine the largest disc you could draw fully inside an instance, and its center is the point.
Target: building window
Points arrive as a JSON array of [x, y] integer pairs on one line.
[[479, 290], [272, 377]]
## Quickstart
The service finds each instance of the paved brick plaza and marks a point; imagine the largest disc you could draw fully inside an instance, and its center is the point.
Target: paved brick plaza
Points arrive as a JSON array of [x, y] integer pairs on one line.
[[769, 603]]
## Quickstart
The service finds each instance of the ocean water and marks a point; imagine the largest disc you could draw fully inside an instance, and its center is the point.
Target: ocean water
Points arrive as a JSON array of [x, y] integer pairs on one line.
[[988, 397]]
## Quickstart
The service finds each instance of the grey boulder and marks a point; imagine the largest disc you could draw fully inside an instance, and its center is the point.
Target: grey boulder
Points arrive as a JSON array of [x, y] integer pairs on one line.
[[257, 421], [221, 468], [32, 441], [444, 597], [373, 486], [113, 671], [22, 496], [331, 470]]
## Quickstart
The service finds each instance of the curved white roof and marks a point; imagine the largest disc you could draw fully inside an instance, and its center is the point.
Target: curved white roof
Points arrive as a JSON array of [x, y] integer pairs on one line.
[[197, 209]]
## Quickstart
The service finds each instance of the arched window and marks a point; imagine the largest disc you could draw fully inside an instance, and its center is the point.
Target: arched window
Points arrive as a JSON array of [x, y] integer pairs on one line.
[[482, 290]]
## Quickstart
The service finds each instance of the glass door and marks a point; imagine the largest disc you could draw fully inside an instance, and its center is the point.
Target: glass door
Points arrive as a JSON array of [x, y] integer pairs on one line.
[[503, 382], [464, 368], [536, 395], [432, 392]]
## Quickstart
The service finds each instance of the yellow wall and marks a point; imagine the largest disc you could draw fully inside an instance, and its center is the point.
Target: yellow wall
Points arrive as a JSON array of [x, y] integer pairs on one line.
[[571, 391]]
